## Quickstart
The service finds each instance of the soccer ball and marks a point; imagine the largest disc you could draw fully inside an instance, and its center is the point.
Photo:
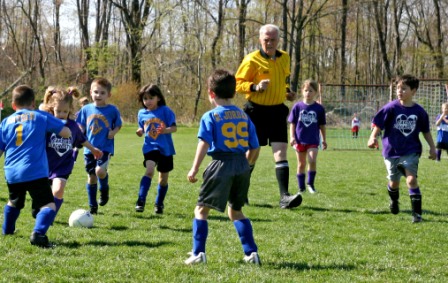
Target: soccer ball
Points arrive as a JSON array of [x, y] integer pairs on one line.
[[81, 218]]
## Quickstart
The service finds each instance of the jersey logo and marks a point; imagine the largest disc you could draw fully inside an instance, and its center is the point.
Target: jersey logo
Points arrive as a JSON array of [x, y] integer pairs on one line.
[[152, 132], [307, 118], [151, 126], [60, 145], [405, 124], [95, 128]]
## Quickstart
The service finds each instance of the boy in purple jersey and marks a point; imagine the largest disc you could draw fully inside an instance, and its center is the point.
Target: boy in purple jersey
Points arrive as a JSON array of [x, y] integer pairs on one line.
[[226, 134], [156, 122], [60, 150], [26, 167], [402, 121], [101, 122], [307, 125], [442, 131]]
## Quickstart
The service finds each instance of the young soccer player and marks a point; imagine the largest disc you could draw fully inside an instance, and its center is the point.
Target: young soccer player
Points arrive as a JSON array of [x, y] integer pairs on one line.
[[100, 121], [355, 125], [402, 121], [307, 126], [442, 131], [226, 134], [59, 149], [156, 122], [26, 167]]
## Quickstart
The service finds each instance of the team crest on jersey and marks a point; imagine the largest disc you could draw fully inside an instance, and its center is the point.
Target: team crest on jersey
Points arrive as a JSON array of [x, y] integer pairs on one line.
[[151, 126], [406, 124], [60, 145], [217, 117], [95, 128], [307, 118]]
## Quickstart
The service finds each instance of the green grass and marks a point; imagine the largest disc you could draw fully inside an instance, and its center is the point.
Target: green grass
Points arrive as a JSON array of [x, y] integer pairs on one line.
[[344, 233]]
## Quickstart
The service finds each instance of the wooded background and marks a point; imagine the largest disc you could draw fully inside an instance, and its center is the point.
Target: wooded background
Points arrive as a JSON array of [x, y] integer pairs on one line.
[[177, 43]]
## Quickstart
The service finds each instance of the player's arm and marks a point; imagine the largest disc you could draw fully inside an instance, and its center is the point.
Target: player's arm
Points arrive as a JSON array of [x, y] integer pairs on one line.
[[201, 151], [372, 142], [97, 153], [65, 132], [113, 132], [432, 147], [323, 134], [167, 130], [292, 129], [439, 121]]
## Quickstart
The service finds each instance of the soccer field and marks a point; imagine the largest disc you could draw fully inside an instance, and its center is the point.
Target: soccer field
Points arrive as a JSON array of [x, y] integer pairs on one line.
[[344, 233]]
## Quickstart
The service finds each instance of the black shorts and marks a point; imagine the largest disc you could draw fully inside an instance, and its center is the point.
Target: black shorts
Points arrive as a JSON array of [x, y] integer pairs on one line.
[[442, 145], [91, 163], [226, 179], [164, 163], [270, 122], [40, 192]]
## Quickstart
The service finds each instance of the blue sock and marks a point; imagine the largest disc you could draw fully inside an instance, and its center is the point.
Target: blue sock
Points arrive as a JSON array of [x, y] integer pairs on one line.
[[145, 184], [414, 192], [10, 217], [311, 177], [161, 193], [200, 233], [104, 183], [44, 219], [301, 181], [244, 229], [91, 193], [58, 202]]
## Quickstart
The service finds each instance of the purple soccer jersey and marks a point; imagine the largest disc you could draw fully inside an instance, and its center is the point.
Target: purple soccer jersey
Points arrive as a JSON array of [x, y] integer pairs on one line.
[[308, 119], [402, 126], [59, 150]]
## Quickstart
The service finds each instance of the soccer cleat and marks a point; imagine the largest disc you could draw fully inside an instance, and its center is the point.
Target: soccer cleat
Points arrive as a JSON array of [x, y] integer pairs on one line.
[[139, 206], [311, 189], [40, 240], [104, 197], [94, 210], [288, 201], [302, 190], [158, 209], [416, 218], [195, 259], [394, 207], [252, 258]]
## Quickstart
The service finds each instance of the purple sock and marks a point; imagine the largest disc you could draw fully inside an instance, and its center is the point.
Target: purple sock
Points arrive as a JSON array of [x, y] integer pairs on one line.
[[413, 192], [58, 202], [438, 154], [301, 181], [311, 177]]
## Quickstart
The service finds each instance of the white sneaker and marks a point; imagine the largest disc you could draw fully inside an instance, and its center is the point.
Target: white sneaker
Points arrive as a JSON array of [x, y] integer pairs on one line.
[[252, 258], [311, 189], [195, 259]]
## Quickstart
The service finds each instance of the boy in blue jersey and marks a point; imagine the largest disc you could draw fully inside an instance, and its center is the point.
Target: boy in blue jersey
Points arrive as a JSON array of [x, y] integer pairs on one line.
[[101, 122], [22, 138], [227, 135], [442, 131]]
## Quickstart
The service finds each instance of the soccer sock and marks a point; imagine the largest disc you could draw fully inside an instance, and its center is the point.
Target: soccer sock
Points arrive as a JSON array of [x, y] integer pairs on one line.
[[438, 154], [282, 173], [244, 229], [301, 181], [161, 193], [145, 184], [311, 177], [44, 219], [91, 193], [58, 202], [200, 233], [416, 200], [394, 194], [10, 217], [104, 183]]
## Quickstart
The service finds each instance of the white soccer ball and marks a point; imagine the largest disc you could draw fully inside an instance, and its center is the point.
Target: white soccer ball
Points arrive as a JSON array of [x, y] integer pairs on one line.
[[81, 218]]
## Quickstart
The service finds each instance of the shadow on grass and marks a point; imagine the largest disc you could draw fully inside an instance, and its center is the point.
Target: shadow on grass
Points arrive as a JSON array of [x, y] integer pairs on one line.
[[306, 266], [182, 230], [75, 244]]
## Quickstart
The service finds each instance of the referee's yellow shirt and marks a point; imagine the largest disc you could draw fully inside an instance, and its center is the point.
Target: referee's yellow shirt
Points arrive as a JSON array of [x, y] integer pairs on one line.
[[257, 66]]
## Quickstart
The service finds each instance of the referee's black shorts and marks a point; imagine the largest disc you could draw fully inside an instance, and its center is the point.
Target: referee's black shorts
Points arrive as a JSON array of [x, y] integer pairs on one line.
[[270, 122]]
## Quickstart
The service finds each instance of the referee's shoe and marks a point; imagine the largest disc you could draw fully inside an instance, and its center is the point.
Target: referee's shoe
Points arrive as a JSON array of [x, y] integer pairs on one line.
[[288, 201]]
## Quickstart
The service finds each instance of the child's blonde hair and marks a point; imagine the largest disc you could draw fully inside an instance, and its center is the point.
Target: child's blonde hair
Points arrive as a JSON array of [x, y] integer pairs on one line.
[[55, 95], [311, 83]]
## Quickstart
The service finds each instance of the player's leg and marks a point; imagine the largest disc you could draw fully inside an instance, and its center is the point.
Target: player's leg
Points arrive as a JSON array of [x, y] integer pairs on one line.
[[58, 187], [103, 178], [164, 167], [301, 167], [393, 185], [200, 233], [411, 168], [92, 182], [145, 182], [16, 202], [312, 168]]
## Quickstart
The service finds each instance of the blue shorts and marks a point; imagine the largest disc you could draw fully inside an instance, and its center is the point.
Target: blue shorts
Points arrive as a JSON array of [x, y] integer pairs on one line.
[[91, 163], [39, 189], [396, 166]]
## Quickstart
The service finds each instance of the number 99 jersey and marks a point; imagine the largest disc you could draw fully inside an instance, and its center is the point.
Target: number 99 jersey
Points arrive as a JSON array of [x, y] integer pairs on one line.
[[227, 129]]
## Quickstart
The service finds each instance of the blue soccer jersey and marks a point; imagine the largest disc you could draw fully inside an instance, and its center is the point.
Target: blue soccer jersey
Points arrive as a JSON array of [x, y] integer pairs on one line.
[[149, 121], [442, 130], [308, 118], [98, 121], [22, 139], [227, 129]]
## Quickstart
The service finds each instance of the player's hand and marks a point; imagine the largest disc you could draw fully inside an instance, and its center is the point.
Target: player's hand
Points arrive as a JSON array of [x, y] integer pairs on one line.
[[432, 154], [262, 85], [291, 96], [324, 145], [372, 143], [161, 129], [192, 176], [97, 153], [111, 134], [292, 141], [139, 132]]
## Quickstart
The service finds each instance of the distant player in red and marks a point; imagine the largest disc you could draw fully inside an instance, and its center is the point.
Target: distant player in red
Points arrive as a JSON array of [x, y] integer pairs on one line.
[[355, 125]]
